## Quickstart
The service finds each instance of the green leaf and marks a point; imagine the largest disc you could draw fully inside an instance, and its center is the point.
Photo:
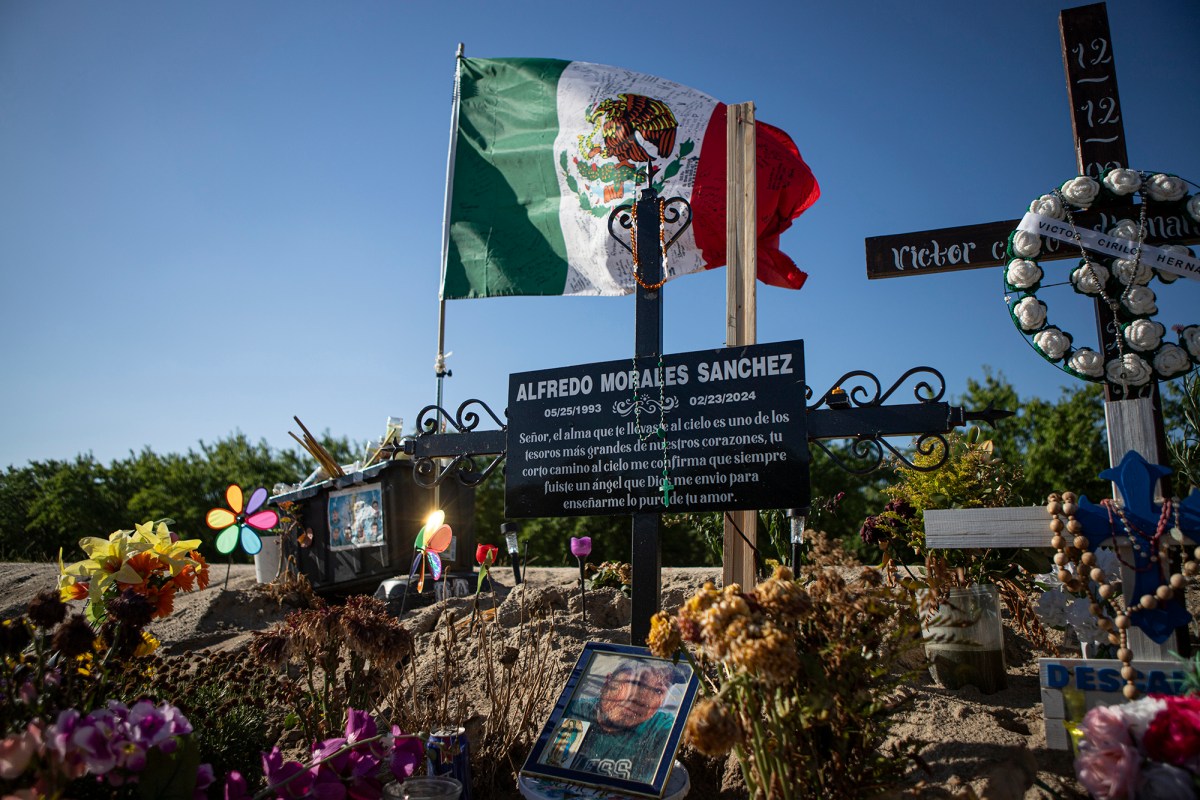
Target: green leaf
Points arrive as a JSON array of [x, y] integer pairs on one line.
[[671, 171], [562, 160], [171, 777], [686, 148]]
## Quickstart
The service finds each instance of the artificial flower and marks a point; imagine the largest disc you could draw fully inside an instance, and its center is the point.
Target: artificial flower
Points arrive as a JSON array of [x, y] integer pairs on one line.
[[581, 547], [16, 751], [1128, 271], [1140, 301], [1165, 782], [1089, 278], [1025, 244], [1171, 360], [172, 551], [1193, 207], [1087, 362], [1030, 314], [1165, 188], [1122, 182], [1080, 191], [1022, 273], [1048, 205], [407, 752], [1128, 370], [1173, 736], [1053, 343], [1189, 337], [1108, 773], [1144, 335], [1125, 229], [485, 554]]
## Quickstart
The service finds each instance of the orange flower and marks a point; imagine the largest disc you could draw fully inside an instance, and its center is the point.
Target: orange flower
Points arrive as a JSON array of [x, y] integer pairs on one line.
[[201, 569], [186, 579], [75, 591], [162, 597], [145, 564]]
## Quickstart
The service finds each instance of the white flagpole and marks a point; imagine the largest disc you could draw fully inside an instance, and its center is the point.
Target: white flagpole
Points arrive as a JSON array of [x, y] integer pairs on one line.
[[439, 365]]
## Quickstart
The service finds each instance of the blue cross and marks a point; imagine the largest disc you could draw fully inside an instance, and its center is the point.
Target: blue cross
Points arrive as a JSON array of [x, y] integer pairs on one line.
[[1136, 478]]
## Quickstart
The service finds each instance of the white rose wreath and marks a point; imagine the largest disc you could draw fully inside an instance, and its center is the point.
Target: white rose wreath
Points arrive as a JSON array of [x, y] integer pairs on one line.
[[1122, 283]]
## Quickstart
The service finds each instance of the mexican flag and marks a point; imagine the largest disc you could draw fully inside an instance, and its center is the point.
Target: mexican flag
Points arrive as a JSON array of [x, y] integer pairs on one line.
[[542, 152]]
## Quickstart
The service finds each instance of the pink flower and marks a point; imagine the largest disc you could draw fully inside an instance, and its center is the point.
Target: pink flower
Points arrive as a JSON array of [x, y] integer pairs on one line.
[[1104, 726], [16, 751], [581, 547], [235, 786], [1174, 735], [1109, 773], [407, 752], [288, 779]]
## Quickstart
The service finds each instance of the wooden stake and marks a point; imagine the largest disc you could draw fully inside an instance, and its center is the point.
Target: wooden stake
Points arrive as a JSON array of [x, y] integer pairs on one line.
[[741, 248]]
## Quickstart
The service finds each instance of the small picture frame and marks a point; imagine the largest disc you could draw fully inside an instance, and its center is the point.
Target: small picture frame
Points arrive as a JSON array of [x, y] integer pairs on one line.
[[617, 723], [355, 517]]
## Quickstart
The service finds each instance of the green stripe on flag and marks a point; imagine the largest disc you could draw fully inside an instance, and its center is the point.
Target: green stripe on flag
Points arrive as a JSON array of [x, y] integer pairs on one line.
[[505, 234]]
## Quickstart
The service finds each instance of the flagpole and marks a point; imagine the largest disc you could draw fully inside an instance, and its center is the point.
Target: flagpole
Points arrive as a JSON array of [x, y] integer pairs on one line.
[[439, 365]]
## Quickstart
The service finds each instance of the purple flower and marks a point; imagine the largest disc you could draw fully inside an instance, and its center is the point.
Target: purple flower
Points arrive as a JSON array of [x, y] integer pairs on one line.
[[288, 779], [204, 779], [407, 752], [326, 752], [235, 786], [581, 547]]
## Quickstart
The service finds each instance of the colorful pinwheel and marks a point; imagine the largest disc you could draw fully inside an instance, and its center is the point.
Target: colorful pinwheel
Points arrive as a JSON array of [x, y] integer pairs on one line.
[[432, 540], [241, 519]]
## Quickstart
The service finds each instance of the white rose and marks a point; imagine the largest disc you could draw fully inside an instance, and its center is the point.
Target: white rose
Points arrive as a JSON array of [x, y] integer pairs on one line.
[[1171, 360], [1030, 314], [1048, 205], [1140, 301], [1123, 181], [1129, 370], [1053, 342], [1087, 361], [1106, 559], [1144, 335], [1126, 229], [1189, 337], [1193, 208], [1079, 615], [1089, 279], [1022, 274], [1080, 191], [1165, 188], [1026, 244], [1052, 607], [1128, 272], [1140, 713]]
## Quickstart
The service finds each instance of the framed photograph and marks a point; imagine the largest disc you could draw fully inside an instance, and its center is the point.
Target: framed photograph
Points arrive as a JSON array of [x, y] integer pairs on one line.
[[617, 723], [356, 518]]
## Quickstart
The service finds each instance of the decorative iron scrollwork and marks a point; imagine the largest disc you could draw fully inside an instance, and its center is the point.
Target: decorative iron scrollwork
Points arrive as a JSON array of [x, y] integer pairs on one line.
[[863, 388], [672, 213], [469, 445], [868, 453], [623, 216]]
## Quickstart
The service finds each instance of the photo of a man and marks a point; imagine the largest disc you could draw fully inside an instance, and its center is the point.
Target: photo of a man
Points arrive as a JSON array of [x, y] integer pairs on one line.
[[626, 708]]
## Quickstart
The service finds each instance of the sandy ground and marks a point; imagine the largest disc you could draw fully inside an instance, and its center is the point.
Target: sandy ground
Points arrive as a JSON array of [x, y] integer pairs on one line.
[[995, 743]]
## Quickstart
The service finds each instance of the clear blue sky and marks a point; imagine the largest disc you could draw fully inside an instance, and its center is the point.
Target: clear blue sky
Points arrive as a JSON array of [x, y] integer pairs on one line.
[[216, 215]]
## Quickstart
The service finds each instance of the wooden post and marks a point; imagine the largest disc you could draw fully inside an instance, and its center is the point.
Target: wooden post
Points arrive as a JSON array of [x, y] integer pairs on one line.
[[741, 328]]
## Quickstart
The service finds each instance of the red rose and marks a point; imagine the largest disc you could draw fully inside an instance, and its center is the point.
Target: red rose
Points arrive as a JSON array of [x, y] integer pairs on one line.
[[1174, 734], [486, 554]]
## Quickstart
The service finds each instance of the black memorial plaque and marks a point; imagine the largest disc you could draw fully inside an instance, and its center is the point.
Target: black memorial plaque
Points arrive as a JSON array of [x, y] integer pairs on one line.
[[735, 430]]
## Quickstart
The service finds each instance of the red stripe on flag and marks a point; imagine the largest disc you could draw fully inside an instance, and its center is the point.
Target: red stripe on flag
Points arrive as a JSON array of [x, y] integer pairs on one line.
[[786, 188]]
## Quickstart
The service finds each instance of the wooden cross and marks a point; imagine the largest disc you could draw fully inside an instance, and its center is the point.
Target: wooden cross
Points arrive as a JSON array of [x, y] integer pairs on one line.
[[1133, 424]]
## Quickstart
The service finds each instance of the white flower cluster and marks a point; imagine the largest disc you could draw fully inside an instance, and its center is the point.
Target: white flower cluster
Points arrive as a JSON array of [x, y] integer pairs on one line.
[[1123, 280]]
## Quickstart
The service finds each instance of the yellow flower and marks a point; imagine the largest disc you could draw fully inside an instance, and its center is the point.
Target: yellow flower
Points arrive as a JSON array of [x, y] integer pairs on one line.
[[106, 561], [711, 729], [157, 539], [148, 645], [664, 640]]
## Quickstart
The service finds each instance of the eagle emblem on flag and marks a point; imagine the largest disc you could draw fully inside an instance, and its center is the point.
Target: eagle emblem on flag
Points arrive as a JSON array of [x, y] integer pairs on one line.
[[617, 163]]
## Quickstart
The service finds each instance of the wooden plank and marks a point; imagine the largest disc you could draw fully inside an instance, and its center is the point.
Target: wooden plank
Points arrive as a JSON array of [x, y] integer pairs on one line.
[[738, 563], [959, 528], [978, 246], [1092, 89], [1131, 427]]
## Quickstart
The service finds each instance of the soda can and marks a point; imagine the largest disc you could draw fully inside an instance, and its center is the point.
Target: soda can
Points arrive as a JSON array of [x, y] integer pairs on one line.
[[447, 752]]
